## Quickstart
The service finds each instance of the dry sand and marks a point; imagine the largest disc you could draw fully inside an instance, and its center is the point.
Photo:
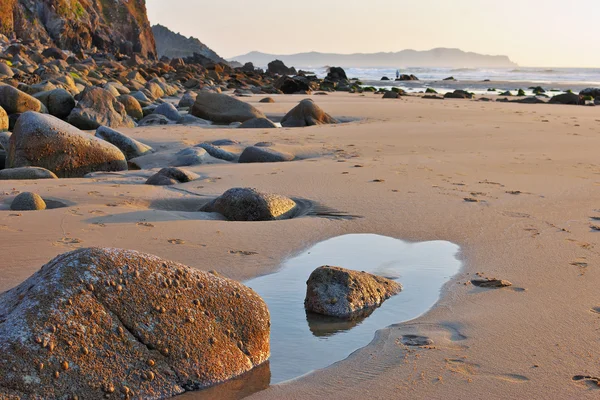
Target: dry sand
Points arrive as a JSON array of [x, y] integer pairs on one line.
[[431, 155]]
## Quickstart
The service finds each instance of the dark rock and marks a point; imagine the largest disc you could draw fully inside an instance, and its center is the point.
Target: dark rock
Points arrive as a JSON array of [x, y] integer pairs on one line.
[[171, 176], [267, 100], [594, 92], [529, 100], [451, 78], [343, 293], [258, 123], [130, 147], [279, 68], [336, 74], [458, 94], [169, 111], [133, 108], [246, 204], [217, 152], [385, 78], [407, 78], [45, 141], [567, 98], [307, 113], [391, 95], [254, 154], [28, 201], [491, 283], [26, 173], [177, 327], [59, 102], [223, 109]]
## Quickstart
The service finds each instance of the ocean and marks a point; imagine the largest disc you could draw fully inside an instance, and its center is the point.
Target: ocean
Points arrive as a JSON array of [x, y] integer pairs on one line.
[[474, 79]]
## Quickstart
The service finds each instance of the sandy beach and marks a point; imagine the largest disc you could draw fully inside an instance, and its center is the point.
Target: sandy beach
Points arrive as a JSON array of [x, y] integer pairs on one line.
[[406, 167]]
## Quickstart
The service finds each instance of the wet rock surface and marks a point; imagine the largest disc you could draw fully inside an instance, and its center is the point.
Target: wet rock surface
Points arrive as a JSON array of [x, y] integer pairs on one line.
[[106, 322], [344, 293]]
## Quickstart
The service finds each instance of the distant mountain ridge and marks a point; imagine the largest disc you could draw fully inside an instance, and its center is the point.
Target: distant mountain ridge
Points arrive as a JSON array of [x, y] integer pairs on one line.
[[175, 45], [440, 57]]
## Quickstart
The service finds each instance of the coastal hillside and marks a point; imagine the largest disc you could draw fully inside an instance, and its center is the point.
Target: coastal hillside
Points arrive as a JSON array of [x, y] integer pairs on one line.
[[440, 57], [173, 45], [110, 25]]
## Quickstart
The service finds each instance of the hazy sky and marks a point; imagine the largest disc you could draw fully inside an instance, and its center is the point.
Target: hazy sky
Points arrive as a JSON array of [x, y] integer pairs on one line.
[[548, 33]]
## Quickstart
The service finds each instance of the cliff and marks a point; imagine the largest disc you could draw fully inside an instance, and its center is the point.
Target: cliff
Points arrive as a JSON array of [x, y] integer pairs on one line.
[[110, 25], [174, 45]]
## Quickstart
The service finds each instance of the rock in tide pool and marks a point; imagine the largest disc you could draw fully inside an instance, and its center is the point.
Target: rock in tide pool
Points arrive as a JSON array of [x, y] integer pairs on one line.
[[307, 113], [258, 154], [26, 173], [98, 107], [41, 140], [223, 109], [171, 176], [246, 204], [130, 147], [27, 202], [343, 293], [96, 322]]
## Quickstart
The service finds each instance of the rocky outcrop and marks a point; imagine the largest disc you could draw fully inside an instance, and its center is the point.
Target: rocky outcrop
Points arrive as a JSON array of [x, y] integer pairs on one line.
[[279, 68], [98, 323], [246, 204], [343, 293], [41, 140], [174, 45], [118, 26], [98, 107]]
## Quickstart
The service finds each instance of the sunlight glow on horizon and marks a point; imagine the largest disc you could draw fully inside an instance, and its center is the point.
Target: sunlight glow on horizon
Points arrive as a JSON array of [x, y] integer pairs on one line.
[[547, 33]]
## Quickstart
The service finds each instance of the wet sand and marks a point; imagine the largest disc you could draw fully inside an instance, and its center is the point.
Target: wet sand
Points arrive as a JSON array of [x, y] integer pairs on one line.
[[532, 169]]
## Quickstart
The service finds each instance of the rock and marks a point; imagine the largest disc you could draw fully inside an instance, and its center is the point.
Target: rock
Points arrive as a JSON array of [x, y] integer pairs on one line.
[[169, 111], [529, 100], [293, 85], [4, 123], [154, 119], [188, 100], [537, 90], [5, 140], [27, 201], [130, 147], [225, 142], [450, 78], [258, 123], [56, 53], [26, 173], [98, 107], [430, 90], [255, 154], [45, 141], [458, 94], [223, 109], [15, 101], [59, 102], [246, 204], [594, 92], [405, 77], [132, 106], [307, 113], [277, 67], [385, 78], [171, 176], [491, 283], [6, 71], [267, 100], [119, 323], [336, 74], [217, 152], [567, 98], [191, 120], [391, 95], [342, 293], [190, 156]]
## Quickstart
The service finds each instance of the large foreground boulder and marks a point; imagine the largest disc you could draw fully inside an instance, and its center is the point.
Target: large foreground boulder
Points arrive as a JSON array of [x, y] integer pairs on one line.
[[130, 147], [307, 113], [246, 204], [223, 109], [41, 140], [98, 107], [567, 98], [344, 293], [99, 323]]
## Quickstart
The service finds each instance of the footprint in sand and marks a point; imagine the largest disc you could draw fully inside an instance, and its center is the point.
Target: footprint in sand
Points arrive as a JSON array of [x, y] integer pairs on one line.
[[145, 224], [176, 241], [590, 381], [243, 252], [474, 370]]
